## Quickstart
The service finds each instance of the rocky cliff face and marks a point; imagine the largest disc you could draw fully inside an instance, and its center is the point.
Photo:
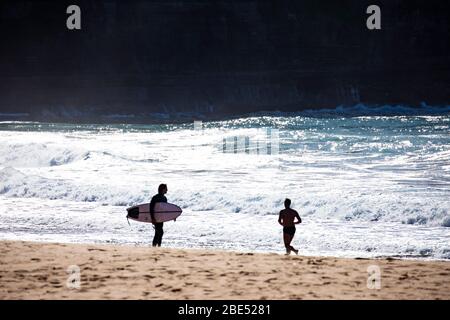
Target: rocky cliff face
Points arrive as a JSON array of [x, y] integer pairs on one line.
[[219, 58]]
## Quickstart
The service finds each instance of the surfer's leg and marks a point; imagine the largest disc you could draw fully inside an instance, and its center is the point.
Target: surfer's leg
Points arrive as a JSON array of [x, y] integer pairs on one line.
[[155, 237], [161, 234], [158, 234]]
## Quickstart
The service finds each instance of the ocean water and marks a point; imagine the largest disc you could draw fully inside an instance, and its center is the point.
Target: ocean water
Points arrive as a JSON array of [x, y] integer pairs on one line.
[[365, 186]]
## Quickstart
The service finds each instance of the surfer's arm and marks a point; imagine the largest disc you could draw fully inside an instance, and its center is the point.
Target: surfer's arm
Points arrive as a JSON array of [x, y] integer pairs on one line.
[[152, 210]]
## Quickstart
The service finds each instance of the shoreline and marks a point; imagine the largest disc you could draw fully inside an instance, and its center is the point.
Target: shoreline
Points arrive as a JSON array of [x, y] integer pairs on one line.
[[280, 252], [37, 270]]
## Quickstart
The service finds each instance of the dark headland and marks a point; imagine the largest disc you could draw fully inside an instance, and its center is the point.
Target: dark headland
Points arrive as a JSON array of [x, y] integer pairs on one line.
[[138, 61]]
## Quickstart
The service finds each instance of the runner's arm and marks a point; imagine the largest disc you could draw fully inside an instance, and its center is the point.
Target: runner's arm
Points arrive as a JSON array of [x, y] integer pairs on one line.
[[298, 218]]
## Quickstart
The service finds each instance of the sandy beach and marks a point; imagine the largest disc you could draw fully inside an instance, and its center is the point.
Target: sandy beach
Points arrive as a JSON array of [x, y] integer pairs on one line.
[[31, 270]]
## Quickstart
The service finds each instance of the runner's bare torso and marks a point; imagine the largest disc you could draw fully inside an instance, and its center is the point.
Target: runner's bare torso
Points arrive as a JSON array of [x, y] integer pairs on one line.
[[287, 217]]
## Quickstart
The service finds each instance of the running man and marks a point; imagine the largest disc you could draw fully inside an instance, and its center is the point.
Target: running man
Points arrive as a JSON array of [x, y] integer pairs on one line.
[[286, 219]]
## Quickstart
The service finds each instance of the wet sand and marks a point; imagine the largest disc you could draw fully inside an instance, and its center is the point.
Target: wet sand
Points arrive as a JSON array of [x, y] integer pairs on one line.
[[30, 270]]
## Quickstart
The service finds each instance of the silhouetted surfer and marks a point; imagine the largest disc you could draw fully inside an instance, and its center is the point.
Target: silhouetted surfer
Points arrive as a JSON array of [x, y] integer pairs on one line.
[[286, 219], [160, 197]]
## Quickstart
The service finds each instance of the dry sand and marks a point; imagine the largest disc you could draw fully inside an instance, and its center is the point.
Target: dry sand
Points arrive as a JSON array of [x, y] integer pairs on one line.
[[39, 271]]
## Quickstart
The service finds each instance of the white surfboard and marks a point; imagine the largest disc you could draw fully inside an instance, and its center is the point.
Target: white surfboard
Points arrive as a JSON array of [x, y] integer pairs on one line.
[[163, 212]]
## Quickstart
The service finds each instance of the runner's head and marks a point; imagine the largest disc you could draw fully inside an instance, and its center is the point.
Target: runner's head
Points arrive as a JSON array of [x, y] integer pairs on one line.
[[287, 203]]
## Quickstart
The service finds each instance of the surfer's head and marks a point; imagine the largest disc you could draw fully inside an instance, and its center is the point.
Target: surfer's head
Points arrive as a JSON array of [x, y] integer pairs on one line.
[[162, 189], [287, 203]]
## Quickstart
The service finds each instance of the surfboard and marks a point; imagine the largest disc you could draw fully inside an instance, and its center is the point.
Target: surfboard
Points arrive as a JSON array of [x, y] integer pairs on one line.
[[163, 212]]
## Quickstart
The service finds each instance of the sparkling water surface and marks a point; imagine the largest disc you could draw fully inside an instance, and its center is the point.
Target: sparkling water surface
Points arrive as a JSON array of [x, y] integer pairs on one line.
[[365, 186]]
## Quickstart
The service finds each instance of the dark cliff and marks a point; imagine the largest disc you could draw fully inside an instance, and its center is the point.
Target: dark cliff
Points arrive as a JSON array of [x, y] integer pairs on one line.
[[219, 58]]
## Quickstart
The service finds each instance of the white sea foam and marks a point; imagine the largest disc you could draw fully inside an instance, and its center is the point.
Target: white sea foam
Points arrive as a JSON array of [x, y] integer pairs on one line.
[[364, 177], [37, 155]]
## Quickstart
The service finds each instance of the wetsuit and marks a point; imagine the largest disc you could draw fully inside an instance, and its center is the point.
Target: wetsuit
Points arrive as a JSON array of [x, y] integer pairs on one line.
[[159, 225]]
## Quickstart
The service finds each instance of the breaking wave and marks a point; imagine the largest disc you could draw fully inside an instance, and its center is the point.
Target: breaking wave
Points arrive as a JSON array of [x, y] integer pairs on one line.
[[332, 205]]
